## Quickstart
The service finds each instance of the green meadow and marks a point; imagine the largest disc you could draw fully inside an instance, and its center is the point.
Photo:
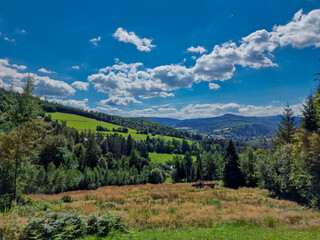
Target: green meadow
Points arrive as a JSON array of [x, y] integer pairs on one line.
[[83, 123], [163, 157]]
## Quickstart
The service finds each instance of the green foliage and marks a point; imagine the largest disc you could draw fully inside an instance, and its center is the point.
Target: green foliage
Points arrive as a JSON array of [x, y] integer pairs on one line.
[[157, 176], [58, 226], [232, 175], [247, 165], [287, 127], [66, 199]]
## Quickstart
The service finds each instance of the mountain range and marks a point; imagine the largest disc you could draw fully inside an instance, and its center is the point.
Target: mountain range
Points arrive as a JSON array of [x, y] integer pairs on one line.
[[226, 126]]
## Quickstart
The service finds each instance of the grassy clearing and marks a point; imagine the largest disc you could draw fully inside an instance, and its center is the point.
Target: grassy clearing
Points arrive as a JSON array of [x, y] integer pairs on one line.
[[83, 123], [163, 157], [176, 206], [178, 211]]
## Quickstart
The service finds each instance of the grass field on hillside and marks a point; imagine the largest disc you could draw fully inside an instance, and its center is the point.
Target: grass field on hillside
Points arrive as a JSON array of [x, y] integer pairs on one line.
[[83, 123], [163, 157]]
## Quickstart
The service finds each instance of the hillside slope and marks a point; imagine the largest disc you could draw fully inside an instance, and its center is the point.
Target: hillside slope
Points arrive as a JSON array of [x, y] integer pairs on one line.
[[226, 126]]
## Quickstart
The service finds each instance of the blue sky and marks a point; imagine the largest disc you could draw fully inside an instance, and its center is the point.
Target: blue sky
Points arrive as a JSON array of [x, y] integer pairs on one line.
[[181, 59]]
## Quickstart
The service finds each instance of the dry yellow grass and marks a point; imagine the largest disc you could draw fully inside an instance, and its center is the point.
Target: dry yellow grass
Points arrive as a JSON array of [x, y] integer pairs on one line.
[[170, 206]]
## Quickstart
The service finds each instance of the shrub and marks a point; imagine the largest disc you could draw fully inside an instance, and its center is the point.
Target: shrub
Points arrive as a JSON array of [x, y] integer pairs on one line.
[[57, 226], [102, 226], [66, 199]]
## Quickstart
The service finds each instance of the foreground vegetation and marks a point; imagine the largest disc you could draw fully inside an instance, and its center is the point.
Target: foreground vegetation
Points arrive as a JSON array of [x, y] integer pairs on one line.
[[173, 211]]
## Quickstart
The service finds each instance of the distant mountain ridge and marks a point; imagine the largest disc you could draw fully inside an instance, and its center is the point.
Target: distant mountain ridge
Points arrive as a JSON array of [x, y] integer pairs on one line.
[[226, 126]]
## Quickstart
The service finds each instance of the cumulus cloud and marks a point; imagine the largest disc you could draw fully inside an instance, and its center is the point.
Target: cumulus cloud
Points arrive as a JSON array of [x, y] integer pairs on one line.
[[95, 41], [213, 86], [72, 103], [142, 44], [302, 31], [45, 85], [130, 80], [203, 111], [119, 101], [76, 67], [166, 109], [252, 51], [83, 86], [198, 49], [43, 70], [255, 50]]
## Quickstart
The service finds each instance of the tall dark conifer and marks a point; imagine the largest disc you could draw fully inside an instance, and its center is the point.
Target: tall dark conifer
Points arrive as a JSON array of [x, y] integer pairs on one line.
[[310, 119], [232, 176], [287, 127]]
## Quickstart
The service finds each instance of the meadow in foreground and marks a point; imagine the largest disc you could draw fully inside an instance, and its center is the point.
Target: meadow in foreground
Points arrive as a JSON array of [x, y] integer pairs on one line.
[[167, 209]]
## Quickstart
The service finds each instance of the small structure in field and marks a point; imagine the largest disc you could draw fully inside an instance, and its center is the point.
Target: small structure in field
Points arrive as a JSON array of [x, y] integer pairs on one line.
[[201, 184]]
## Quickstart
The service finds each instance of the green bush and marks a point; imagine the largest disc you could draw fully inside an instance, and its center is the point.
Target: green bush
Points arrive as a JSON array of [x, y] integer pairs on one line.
[[66, 199], [102, 226], [57, 226]]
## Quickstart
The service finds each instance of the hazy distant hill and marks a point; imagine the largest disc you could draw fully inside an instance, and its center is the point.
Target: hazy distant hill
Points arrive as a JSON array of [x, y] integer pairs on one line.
[[228, 125]]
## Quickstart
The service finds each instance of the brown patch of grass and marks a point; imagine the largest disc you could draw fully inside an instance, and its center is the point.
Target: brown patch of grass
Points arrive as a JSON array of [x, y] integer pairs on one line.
[[170, 206]]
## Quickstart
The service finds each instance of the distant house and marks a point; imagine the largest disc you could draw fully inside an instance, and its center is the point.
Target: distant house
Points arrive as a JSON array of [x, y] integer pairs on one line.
[[162, 166]]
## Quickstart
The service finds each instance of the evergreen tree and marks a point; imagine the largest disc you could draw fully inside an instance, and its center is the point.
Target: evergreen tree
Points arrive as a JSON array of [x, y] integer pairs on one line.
[[187, 160], [310, 120], [199, 168], [287, 127], [232, 176], [185, 146]]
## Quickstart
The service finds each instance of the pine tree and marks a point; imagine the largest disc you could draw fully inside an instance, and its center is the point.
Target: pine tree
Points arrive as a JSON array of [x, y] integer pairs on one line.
[[310, 120], [232, 176], [287, 127], [187, 160], [199, 168]]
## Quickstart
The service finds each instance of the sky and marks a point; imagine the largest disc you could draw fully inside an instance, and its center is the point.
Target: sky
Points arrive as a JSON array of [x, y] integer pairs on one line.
[[177, 59]]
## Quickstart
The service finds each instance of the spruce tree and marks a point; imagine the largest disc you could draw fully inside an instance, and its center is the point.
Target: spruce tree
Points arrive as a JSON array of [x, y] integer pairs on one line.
[[232, 176], [287, 127], [310, 119], [199, 168]]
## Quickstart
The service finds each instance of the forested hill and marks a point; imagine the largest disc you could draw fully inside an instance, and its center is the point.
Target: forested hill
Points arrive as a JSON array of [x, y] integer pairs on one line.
[[228, 125], [143, 126]]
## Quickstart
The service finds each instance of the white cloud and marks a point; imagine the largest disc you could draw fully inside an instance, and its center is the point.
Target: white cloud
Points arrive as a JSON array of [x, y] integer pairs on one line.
[[213, 86], [19, 67], [95, 41], [43, 70], [119, 101], [45, 85], [198, 49], [220, 63], [9, 39], [80, 85], [302, 31], [72, 103], [253, 51], [76, 67], [127, 80], [166, 109], [142, 44]]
